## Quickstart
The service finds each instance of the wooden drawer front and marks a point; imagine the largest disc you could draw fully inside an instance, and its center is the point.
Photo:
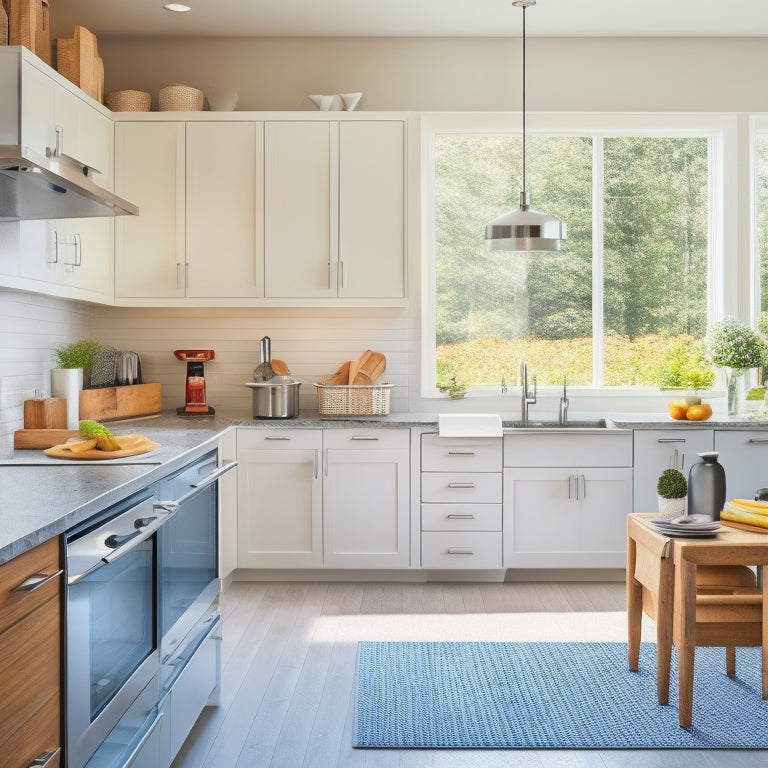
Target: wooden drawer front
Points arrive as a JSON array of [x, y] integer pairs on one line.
[[568, 449], [372, 439], [30, 666], [38, 736], [461, 487], [466, 549], [461, 517], [448, 454], [43, 559]]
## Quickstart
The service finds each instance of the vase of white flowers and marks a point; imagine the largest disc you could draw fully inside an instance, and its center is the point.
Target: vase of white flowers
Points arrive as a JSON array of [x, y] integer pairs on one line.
[[736, 348]]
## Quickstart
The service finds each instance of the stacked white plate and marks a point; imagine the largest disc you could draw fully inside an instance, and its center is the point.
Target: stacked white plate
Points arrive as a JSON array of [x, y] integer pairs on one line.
[[687, 526]]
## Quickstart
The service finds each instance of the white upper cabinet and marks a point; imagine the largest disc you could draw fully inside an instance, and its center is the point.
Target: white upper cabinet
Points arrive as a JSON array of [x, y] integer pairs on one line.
[[334, 222], [149, 248]]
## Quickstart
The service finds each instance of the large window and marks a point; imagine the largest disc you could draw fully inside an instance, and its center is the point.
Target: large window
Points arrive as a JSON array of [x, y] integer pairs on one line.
[[761, 221], [632, 281]]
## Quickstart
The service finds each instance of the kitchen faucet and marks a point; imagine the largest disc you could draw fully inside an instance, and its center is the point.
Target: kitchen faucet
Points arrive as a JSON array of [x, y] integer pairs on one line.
[[527, 398], [563, 418]]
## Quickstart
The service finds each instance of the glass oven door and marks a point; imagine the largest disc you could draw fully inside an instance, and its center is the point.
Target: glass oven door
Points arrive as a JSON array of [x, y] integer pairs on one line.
[[111, 627]]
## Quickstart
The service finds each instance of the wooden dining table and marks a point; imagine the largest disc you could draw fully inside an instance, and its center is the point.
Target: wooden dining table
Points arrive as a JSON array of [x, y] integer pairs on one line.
[[666, 567]]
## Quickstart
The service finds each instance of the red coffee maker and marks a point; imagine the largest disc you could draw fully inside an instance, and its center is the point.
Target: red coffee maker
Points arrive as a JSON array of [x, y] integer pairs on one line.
[[195, 359]]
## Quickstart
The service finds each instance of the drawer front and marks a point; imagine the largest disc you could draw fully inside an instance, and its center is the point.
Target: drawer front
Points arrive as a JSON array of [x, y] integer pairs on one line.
[[567, 449], [36, 564], [461, 517], [467, 549], [461, 487], [253, 438], [448, 454], [372, 439]]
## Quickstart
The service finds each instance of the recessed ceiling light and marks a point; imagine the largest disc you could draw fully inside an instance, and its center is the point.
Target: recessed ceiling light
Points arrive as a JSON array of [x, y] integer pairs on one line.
[[180, 7]]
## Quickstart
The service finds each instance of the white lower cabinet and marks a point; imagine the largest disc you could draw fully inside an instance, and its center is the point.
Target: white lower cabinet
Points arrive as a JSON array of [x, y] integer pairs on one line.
[[461, 512], [323, 498], [558, 514], [366, 498], [280, 497], [566, 518], [744, 456]]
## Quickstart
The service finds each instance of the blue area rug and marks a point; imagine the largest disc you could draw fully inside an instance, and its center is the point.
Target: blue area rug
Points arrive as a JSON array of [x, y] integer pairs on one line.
[[549, 695]]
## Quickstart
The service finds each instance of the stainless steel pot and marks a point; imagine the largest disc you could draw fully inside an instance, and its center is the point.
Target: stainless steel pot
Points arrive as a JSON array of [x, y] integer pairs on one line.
[[277, 398]]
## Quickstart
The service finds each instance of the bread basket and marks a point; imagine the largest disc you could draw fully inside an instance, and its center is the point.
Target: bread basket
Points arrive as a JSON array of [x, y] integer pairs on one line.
[[180, 98], [128, 101]]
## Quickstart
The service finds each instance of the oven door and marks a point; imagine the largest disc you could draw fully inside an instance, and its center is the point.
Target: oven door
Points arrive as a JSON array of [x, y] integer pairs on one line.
[[111, 628], [189, 584]]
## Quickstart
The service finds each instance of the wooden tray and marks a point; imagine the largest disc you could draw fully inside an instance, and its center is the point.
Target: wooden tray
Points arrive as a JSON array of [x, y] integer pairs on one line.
[[131, 445], [41, 438], [110, 403], [744, 526]]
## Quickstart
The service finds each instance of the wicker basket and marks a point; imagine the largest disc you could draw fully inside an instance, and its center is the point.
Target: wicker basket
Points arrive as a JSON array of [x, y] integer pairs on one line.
[[180, 98], [128, 101], [353, 399]]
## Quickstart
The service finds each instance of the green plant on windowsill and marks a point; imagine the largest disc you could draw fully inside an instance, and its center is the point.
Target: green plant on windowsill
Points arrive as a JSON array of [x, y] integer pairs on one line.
[[685, 367], [447, 380]]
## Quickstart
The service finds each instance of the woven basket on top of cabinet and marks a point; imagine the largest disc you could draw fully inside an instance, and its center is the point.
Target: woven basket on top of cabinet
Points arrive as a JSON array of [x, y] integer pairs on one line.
[[128, 101], [180, 98], [353, 399]]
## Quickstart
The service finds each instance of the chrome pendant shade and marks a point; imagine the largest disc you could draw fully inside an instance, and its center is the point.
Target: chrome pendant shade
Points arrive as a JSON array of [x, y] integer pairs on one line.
[[525, 229]]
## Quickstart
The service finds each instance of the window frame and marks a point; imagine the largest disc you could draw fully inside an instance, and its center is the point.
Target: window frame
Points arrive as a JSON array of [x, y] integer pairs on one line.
[[722, 131]]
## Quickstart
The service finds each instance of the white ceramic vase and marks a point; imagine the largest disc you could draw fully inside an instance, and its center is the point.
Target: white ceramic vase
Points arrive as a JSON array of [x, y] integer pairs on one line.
[[67, 383]]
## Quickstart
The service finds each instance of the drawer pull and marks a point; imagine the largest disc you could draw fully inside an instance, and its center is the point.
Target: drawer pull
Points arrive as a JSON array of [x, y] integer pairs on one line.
[[461, 517], [461, 453], [35, 581], [276, 437], [461, 485], [460, 551], [671, 440], [45, 759], [364, 437], [758, 440]]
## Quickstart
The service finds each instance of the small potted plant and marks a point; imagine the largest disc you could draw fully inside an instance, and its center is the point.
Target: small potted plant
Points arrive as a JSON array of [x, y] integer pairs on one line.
[[447, 380], [672, 490], [72, 372]]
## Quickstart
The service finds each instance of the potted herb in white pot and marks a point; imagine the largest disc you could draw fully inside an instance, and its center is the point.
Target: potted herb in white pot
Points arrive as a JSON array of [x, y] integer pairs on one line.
[[73, 366], [672, 490]]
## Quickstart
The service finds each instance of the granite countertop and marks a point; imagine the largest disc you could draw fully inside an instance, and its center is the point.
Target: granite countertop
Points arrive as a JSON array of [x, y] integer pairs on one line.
[[43, 497]]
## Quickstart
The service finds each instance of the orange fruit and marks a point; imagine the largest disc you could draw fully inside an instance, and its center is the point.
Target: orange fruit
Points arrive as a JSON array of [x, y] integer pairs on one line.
[[678, 410], [700, 412]]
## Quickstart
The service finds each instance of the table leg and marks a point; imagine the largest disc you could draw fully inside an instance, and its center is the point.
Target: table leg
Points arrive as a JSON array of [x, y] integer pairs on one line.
[[664, 622], [634, 607], [764, 585], [685, 608]]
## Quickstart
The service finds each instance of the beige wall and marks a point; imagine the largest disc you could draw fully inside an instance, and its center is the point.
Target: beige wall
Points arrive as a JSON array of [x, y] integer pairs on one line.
[[665, 74]]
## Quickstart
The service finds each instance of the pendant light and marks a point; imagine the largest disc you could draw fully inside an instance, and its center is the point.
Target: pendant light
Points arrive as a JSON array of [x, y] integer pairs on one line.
[[524, 229]]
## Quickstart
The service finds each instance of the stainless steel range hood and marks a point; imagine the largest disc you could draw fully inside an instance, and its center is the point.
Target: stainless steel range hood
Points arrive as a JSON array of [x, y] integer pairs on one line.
[[36, 187]]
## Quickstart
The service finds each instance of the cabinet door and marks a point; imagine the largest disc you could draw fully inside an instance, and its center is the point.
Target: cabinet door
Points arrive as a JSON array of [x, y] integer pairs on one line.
[[279, 512], [605, 500], [366, 499], [371, 209], [224, 209], [744, 456], [149, 248], [300, 241], [660, 449]]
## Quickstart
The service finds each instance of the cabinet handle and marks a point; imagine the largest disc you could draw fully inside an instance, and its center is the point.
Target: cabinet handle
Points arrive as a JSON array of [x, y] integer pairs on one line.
[[325, 462], [460, 551], [58, 142], [330, 282], [461, 485], [364, 437], [314, 464], [78, 249], [55, 247], [461, 517], [45, 760], [35, 581], [178, 274], [584, 487], [571, 478], [186, 275], [758, 440], [341, 273], [671, 440], [276, 437], [461, 453]]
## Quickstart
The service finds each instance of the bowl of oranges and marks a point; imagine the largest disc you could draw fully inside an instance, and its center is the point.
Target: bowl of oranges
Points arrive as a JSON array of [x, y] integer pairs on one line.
[[689, 409]]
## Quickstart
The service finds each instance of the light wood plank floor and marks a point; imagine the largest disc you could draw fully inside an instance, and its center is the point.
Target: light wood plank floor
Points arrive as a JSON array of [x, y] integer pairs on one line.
[[289, 656]]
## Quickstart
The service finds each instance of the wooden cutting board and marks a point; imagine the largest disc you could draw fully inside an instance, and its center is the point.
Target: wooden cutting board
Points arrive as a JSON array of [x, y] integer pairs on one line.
[[29, 25], [45, 413], [130, 445], [77, 58], [35, 439], [369, 368], [341, 376]]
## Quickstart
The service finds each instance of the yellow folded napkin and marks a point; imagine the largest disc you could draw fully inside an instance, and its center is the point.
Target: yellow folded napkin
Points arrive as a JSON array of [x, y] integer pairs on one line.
[[746, 511]]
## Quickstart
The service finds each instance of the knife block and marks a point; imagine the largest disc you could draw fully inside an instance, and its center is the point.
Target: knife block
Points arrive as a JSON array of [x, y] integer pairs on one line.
[[45, 413]]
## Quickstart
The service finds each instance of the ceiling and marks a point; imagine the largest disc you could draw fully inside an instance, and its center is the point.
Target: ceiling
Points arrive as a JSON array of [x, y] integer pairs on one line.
[[413, 18]]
